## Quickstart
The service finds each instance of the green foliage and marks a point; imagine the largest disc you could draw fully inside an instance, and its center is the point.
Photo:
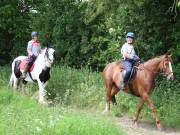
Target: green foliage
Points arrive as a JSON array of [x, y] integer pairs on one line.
[[90, 33], [15, 27], [81, 88]]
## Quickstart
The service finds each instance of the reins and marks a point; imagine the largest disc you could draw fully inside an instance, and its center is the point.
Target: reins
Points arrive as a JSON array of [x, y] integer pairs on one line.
[[152, 71]]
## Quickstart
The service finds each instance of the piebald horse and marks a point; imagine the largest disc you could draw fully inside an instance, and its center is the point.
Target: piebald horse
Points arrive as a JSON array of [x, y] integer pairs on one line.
[[142, 85], [40, 72]]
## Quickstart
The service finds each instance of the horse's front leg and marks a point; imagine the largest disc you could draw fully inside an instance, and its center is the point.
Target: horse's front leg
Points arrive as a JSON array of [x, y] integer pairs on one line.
[[154, 111], [42, 92]]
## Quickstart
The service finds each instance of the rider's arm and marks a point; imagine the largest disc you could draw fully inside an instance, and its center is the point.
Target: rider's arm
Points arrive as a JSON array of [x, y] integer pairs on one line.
[[128, 52], [125, 52], [127, 55], [29, 48], [40, 48]]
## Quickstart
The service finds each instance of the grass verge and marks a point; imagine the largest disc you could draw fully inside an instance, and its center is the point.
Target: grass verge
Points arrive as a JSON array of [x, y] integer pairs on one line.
[[20, 115]]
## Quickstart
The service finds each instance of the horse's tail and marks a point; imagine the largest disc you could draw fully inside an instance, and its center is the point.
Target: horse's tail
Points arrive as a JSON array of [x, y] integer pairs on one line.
[[11, 81], [113, 99]]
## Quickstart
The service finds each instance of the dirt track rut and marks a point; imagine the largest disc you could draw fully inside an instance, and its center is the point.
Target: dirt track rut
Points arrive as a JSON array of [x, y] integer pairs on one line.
[[144, 128]]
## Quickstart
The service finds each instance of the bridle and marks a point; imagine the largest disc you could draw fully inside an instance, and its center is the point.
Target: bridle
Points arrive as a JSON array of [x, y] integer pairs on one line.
[[47, 53]]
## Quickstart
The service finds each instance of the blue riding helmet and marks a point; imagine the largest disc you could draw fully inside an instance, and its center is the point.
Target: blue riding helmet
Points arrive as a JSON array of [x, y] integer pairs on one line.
[[34, 34], [130, 34]]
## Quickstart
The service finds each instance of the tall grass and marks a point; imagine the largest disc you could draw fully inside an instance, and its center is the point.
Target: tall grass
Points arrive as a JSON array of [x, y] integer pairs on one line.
[[85, 89]]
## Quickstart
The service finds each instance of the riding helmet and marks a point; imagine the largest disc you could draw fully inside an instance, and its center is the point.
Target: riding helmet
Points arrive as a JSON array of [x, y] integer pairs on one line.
[[34, 34], [130, 34]]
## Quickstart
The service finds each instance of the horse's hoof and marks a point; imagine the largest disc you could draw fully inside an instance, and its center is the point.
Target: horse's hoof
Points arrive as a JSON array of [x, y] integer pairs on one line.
[[43, 102], [159, 127], [105, 112], [135, 124]]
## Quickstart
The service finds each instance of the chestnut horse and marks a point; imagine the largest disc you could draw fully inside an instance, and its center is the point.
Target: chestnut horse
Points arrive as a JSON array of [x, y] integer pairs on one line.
[[142, 84]]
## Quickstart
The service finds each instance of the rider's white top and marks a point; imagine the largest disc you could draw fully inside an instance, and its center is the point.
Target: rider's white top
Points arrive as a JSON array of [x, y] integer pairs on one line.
[[34, 47], [129, 48]]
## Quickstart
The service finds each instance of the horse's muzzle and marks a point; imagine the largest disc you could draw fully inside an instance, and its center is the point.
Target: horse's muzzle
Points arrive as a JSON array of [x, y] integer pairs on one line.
[[170, 77], [51, 59]]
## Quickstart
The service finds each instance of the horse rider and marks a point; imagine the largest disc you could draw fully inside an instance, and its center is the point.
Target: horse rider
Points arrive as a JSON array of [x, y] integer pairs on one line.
[[33, 49], [129, 58]]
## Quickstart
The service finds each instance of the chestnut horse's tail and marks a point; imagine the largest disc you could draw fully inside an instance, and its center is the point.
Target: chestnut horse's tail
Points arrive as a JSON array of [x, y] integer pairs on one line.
[[113, 99]]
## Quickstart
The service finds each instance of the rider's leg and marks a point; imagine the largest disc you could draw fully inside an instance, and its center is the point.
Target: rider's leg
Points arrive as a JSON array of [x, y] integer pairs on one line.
[[26, 68], [28, 65], [126, 73]]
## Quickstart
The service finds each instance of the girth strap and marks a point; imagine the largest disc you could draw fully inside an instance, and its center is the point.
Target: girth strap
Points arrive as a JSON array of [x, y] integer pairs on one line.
[[32, 78]]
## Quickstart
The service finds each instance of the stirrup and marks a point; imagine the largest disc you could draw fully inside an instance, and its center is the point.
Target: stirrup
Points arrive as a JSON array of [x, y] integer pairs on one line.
[[122, 86]]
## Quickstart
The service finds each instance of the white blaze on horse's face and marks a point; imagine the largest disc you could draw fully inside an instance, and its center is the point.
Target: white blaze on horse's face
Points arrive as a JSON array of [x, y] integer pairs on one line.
[[170, 75], [168, 70], [170, 67], [51, 55]]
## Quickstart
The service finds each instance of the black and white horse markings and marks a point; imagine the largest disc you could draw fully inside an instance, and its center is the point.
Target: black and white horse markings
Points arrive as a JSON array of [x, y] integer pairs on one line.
[[39, 74]]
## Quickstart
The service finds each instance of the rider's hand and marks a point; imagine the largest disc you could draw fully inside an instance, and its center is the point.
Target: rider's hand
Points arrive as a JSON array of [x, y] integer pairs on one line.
[[141, 61], [30, 53], [136, 58]]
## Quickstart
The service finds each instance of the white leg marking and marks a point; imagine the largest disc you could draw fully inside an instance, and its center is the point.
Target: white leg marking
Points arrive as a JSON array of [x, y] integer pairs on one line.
[[42, 92]]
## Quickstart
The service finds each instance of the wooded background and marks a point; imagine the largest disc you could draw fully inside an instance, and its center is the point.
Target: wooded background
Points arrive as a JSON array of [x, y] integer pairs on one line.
[[90, 32], [86, 34]]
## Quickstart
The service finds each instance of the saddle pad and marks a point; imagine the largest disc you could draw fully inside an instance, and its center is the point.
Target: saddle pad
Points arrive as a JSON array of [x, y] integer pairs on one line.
[[23, 64]]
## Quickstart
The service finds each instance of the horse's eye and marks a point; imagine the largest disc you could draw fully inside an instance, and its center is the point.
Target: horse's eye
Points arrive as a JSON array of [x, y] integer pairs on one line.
[[166, 65]]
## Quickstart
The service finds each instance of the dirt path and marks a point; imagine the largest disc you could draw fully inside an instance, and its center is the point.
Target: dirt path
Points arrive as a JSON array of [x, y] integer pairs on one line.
[[144, 128]]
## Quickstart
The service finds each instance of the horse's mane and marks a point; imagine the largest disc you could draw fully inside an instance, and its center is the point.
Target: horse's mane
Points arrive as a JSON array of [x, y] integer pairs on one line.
[[154, 59], [41, 55], [159, 58], [43, 51]]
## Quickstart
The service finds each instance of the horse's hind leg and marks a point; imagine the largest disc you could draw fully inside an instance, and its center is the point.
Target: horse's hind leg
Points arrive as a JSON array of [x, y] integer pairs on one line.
[[108, 95], [22, 87], [114, 91], [15, 83], [140, 106], [11, 81]]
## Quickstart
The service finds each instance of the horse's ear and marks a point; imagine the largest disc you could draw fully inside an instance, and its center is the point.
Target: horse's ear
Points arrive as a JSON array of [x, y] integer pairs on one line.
[[168, 54], [47, 40]]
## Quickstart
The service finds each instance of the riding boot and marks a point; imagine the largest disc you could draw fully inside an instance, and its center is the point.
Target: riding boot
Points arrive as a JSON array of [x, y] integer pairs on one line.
[[26, 68], [123, 82]]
